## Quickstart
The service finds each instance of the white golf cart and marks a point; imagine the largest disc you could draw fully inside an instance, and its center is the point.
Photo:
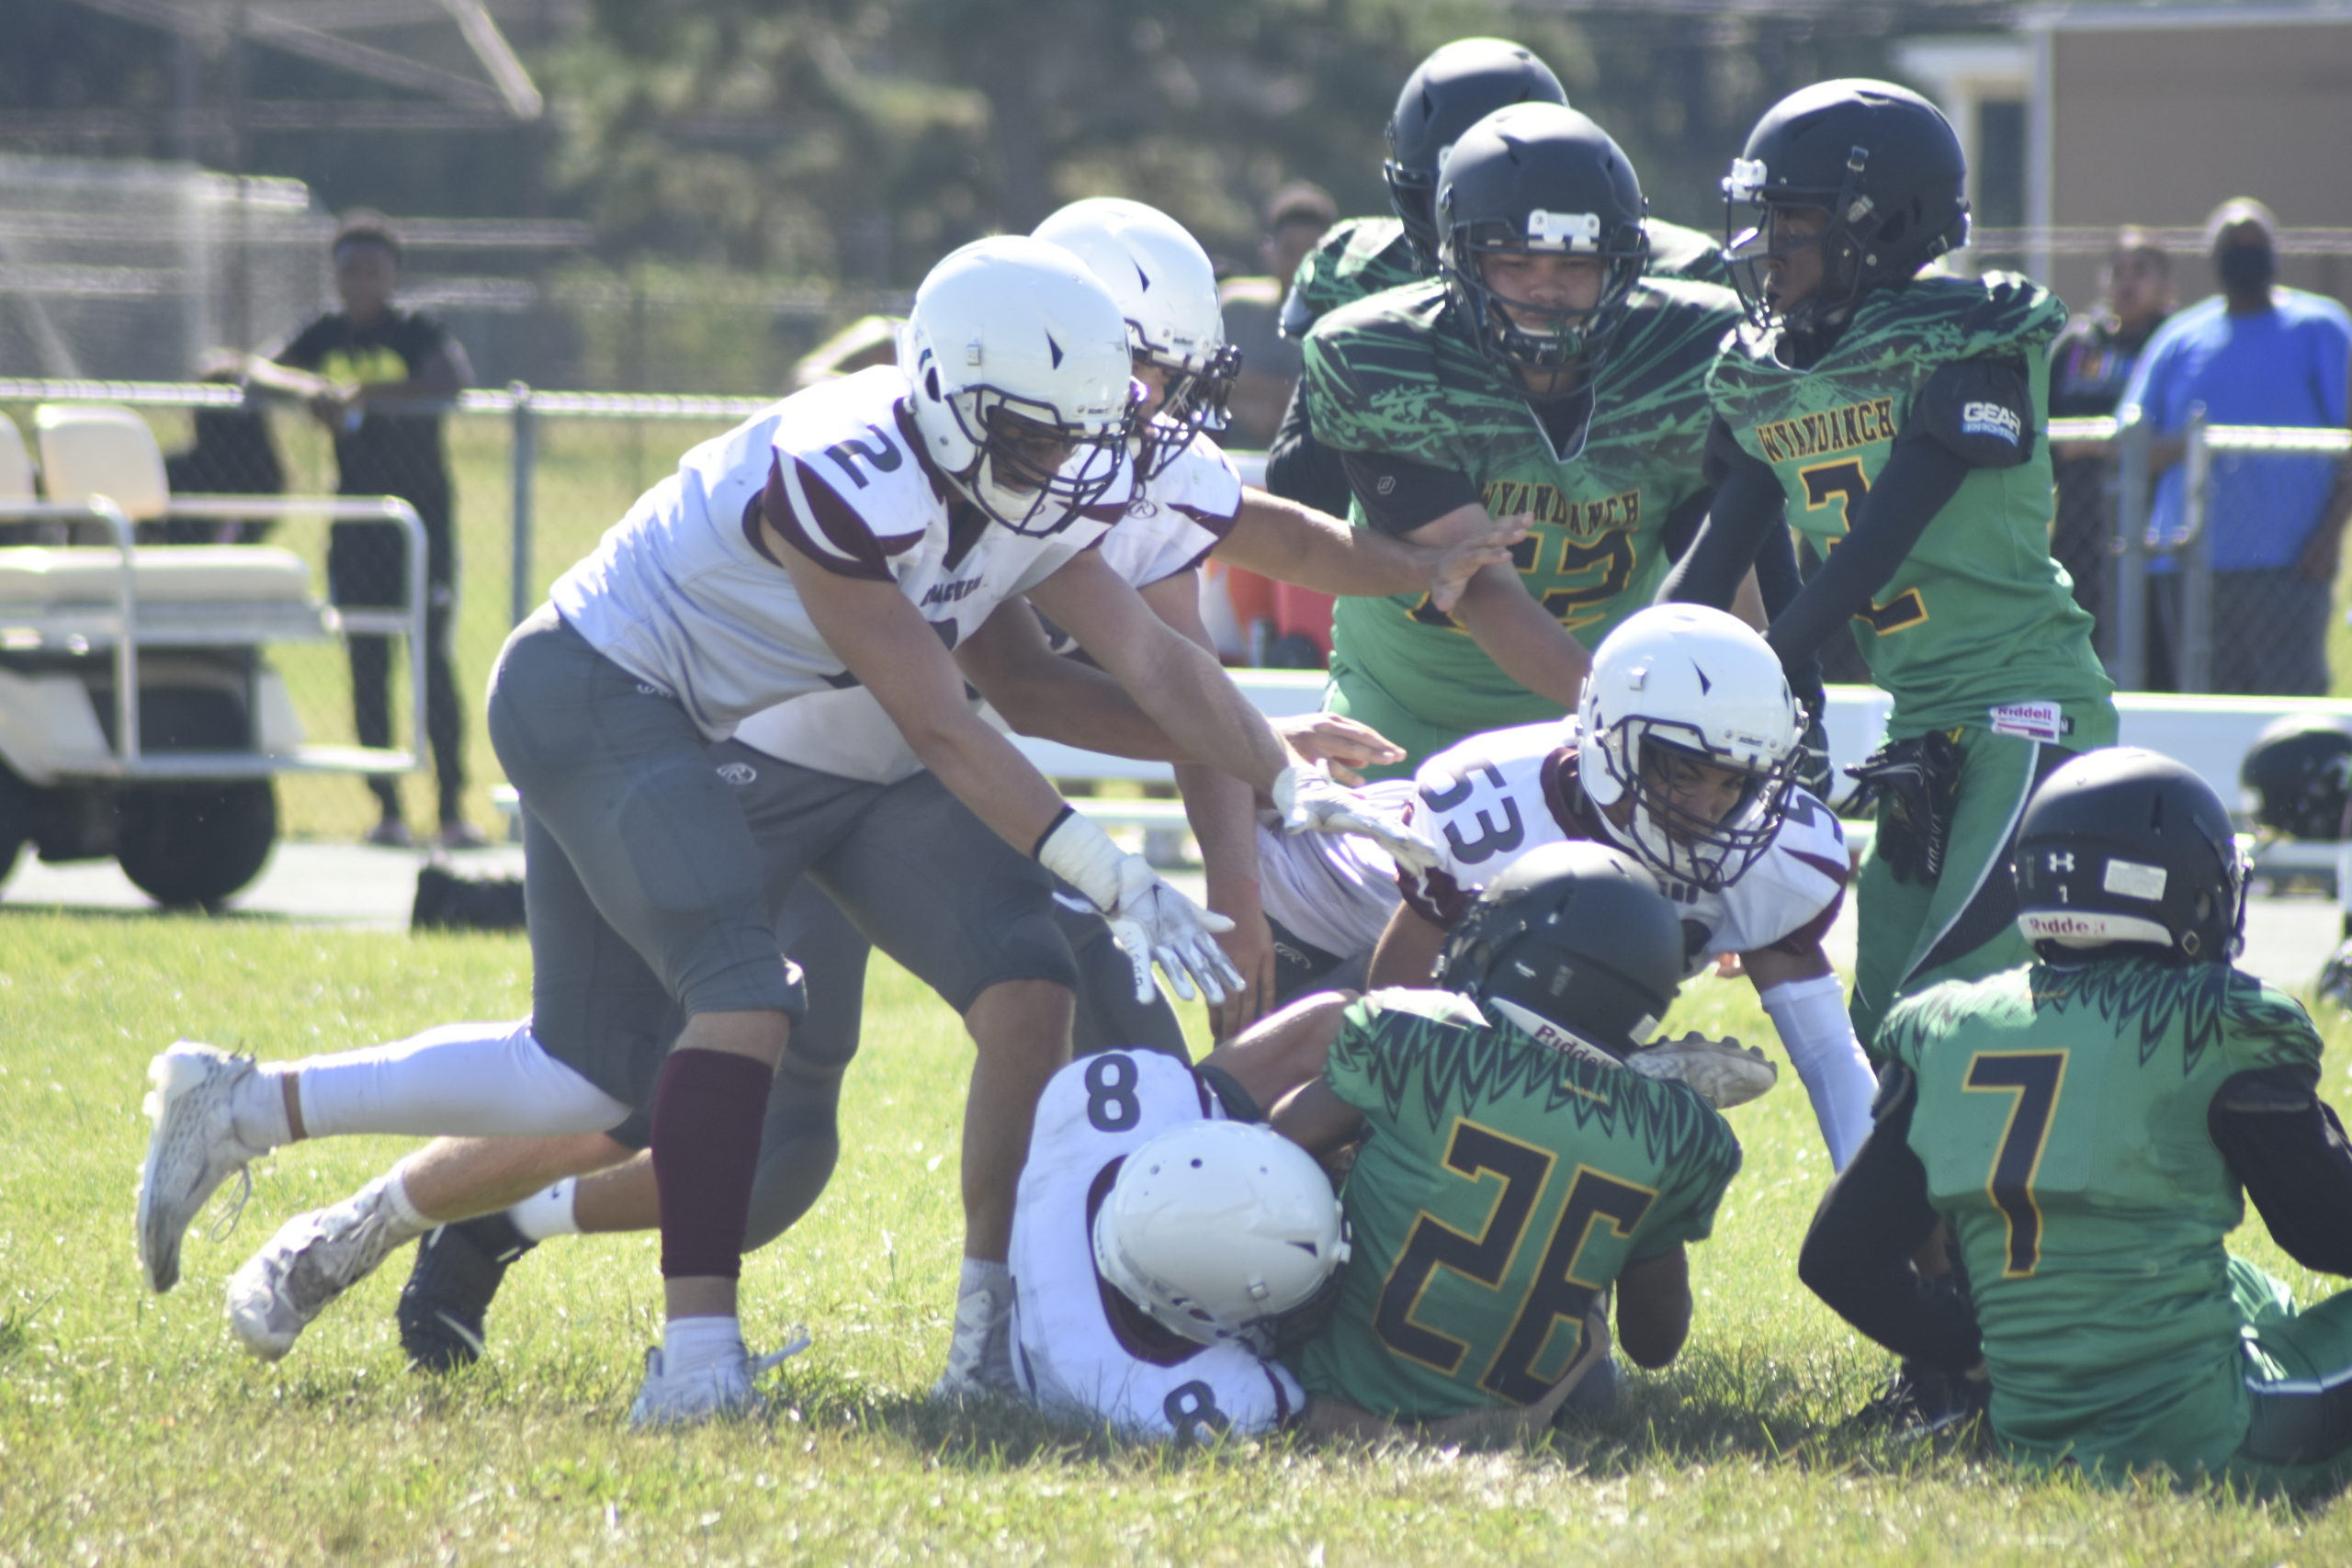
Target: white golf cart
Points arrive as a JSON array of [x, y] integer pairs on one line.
[[140, 716]]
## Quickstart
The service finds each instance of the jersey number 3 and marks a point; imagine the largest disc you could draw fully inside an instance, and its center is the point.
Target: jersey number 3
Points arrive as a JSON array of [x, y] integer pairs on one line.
[[2035, 1077], [1556, 1294], [1843, 484]]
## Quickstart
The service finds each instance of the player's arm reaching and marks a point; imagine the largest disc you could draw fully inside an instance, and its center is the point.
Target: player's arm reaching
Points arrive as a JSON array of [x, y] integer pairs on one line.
[[1874, 1218], [1224, 816], [1188, 695], [879, 633], [1042, 695], [1280, 538]]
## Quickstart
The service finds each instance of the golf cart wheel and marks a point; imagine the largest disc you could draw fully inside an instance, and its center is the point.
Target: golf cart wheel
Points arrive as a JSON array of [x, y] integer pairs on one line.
[[194, 846]]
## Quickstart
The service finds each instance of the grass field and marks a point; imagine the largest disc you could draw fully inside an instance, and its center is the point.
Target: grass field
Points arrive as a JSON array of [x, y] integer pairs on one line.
[[133, 1431]]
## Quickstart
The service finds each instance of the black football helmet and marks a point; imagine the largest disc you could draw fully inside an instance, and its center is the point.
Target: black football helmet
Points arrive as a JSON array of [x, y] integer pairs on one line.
[[1880, 159], [1574, 943], [2298, 777], [1540, 178], [1447, 93], [2126, 846]]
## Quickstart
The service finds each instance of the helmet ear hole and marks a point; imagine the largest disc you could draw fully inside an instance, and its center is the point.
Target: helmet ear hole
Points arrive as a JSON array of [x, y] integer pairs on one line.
[[931, 383]]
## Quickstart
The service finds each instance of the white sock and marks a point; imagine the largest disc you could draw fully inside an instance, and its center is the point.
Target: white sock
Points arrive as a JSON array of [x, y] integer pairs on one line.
[[460, 1081], [1818, 1035], [980, 1274], [689, 1342], [398, 1215], [547, 1213], [257, 1109]]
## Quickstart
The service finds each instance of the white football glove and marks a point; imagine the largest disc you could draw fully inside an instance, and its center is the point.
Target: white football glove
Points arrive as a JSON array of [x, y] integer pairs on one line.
[[1151, 920], [1310, 803]]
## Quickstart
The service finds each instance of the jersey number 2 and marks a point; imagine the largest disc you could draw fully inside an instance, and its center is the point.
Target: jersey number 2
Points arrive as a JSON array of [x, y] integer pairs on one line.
[[1557, 1294], [1844, 484], [2035, 1077]]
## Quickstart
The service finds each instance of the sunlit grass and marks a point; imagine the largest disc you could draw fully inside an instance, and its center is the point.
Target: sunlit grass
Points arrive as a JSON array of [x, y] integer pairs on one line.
[[132, 1430]]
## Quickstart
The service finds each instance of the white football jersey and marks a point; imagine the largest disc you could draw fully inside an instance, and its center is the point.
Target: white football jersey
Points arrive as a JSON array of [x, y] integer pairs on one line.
[[1079, 1348], [1486, 801], [1178, 519], [682, 595]]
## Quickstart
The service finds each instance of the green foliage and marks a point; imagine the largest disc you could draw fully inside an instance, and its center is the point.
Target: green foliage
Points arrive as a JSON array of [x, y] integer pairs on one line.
[[864, 139], [132, 1431]]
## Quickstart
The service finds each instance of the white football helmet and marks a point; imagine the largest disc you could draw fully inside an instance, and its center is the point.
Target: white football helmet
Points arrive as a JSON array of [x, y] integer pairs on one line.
[[1166, 285], [1217, 1227], [1020, 381], [1683, 682]]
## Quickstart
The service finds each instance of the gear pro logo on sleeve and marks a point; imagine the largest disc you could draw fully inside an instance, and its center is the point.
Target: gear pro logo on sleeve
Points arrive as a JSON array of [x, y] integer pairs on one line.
[[1984, 418]]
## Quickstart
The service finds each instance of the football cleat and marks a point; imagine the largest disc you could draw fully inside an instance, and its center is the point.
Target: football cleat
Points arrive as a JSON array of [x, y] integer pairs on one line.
[[313, 1258], [716, 1390], [1918, 1402], [457, 1274], [193, 1149], [1722, 1072], [980, 1355]]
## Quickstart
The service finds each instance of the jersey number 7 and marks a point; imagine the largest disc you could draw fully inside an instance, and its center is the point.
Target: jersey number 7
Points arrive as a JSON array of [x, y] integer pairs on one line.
[[1843, 484], [2036, 1078]]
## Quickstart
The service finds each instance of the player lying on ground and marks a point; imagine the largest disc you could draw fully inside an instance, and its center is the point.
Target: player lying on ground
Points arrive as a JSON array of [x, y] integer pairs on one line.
[[1149, 1291], [2087, 1127], [1897, 413], [748, 578], [1679, 754]]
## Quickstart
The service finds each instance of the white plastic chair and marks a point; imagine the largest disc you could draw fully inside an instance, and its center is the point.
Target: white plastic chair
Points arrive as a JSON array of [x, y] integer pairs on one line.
[[90, 449]]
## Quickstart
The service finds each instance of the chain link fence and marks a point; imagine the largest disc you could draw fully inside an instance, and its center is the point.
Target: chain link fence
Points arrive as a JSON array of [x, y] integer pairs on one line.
[[537, 476]]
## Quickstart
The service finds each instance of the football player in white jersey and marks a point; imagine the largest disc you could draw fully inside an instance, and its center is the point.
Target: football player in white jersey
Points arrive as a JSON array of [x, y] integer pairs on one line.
[[1680, 753], [1163, 1235], [803, 755], [854, 532]]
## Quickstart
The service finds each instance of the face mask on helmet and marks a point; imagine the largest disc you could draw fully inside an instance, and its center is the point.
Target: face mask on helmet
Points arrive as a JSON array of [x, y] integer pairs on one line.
[[1034, 473], [1687, 742], [1844, 186], [1696, 816], [1019, 385], [1190, 403], [1166, 287], [1543, 242], [1526, 318]]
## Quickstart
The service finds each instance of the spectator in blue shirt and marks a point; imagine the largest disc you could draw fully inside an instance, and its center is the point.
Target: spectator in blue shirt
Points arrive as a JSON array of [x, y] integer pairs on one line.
[[2256, 353]]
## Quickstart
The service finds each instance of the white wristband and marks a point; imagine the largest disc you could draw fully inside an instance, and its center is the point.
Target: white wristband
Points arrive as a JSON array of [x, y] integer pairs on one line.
[[1083, 855]]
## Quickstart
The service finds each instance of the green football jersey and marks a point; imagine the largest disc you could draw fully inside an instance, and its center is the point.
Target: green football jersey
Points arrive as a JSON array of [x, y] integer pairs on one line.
[[1978, 614], [2062, 1120], [1357, 256], [1398, 374], [1501, 1187]]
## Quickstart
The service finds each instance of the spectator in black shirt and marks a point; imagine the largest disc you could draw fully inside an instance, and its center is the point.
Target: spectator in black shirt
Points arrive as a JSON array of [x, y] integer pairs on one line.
[[357, 366], [2089, 366]]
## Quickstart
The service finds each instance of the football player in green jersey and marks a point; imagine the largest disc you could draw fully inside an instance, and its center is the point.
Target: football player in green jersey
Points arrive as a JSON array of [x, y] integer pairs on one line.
[[1543, 374], [1447, 93], [2087, 1127], [1897, 414], [1512, 1167]]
